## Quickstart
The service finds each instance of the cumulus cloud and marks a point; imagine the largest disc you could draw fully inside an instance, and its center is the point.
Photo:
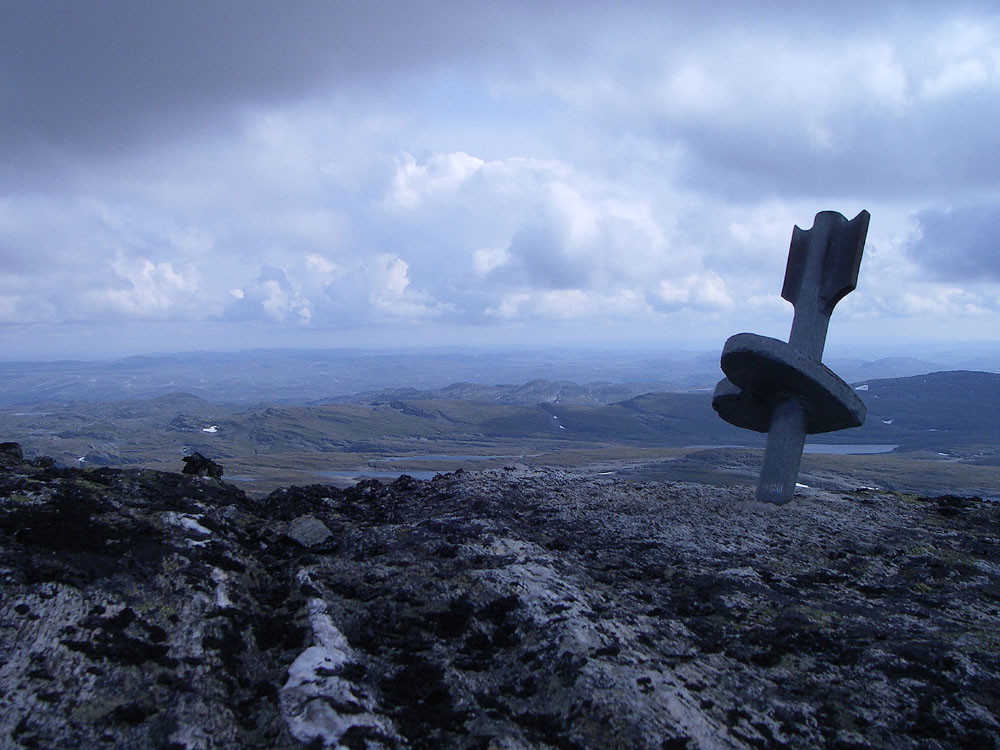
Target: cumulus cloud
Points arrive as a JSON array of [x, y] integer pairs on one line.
[[488, 259], [148, 289], [706, 291], [572, 304], [548, 257], [393, 296], [314, 291], [944, 302], [442, 173], [786, 106], [272, 296]]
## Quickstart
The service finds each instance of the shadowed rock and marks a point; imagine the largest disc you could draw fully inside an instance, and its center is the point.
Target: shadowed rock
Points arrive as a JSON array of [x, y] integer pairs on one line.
[[200, 466], [11, 452]]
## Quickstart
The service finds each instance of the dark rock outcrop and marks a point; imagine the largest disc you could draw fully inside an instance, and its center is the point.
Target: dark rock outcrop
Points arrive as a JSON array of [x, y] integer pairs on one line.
[[494, 610], [11, 452], [200, 466]]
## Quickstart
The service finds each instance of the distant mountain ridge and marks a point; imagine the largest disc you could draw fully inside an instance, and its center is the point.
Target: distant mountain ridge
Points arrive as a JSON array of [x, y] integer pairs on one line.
[[937, 411], [326, 376], [534, 392], [932, 409]]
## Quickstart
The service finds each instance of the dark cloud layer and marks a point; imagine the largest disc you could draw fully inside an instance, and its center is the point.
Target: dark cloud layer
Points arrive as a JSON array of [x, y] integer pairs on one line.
[[103, 73], [100, 75], [962, 244]]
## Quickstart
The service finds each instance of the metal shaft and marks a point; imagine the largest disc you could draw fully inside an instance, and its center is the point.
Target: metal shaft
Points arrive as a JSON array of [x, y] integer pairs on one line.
[[783, 453], [812, 319]]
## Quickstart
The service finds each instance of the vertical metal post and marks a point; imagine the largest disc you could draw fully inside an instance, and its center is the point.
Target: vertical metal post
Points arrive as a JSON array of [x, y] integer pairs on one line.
[[783, 453]]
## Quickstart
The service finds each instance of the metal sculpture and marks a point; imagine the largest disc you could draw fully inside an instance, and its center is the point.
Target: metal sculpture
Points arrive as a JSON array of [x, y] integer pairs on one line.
[[784, 389]]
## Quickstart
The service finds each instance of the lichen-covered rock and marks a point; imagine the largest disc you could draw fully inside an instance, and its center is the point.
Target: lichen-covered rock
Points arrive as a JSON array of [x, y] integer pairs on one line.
[[496, 610], [308, 531]]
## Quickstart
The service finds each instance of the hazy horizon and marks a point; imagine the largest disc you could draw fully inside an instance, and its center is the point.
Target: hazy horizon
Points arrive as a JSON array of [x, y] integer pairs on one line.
[[946, 351]]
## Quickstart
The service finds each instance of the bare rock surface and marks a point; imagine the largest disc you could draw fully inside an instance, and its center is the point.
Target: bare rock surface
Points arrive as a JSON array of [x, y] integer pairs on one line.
[[498, 610]]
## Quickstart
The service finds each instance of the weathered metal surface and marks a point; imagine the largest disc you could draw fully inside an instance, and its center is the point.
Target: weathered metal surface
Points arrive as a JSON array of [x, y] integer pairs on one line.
[[784, 389], [758, 367]]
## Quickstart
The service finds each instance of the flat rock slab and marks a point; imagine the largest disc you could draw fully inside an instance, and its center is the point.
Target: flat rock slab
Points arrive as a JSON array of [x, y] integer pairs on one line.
[[499, 609]]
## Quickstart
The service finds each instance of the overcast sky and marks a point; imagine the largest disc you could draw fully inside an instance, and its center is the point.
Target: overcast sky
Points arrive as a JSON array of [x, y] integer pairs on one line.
[[228, 175]]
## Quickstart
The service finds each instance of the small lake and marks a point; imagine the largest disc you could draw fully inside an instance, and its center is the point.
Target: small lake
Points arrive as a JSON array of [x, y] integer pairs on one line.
[[850, 449], [847, 449], [445, 457], [353, 476]]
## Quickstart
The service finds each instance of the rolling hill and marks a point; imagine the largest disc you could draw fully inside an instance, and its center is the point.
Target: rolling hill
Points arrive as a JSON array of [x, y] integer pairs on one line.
[[935, 411]]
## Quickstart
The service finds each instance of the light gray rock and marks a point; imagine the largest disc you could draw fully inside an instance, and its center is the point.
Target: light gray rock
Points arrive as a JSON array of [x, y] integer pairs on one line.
[[308, 531]]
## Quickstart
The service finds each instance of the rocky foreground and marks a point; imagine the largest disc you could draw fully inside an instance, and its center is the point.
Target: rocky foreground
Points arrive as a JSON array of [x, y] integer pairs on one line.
[[501, 610]]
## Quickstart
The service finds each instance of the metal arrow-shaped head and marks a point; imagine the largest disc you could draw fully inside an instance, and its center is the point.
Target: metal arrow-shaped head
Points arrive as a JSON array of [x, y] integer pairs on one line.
[[823, 264]]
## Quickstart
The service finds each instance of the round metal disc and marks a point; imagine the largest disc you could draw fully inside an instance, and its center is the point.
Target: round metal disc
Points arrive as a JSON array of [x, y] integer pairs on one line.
[[762, 371]]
